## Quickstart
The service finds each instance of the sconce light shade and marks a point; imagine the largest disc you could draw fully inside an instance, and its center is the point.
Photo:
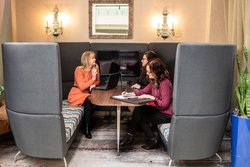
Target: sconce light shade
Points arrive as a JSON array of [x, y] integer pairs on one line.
[[56, 28], [164, 31]]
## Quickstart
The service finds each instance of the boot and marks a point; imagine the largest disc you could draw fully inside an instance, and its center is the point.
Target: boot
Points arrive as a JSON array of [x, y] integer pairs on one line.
[[151, 143], [87, 132], [128, 139]]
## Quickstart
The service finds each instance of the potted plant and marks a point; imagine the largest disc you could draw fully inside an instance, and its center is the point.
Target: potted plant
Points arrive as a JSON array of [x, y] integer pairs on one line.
[[240, 118]]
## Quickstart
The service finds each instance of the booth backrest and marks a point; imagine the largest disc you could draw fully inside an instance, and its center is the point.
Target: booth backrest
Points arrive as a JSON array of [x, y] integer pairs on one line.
[[27, 75], [142, 47], [167, 52], [203, 82], [71, 55]]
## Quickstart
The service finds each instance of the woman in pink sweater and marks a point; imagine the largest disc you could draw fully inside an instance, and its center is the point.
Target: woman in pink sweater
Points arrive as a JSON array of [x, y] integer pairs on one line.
[[160, 111]]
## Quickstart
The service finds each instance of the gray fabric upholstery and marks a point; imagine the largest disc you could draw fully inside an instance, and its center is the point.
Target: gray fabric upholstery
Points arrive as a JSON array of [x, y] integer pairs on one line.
[[37, 135], [32, 79], [203, 77], [201, 100], [196, 137]]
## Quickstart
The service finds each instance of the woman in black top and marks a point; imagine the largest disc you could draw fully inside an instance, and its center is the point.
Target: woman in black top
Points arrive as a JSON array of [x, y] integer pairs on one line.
[[143, 79]]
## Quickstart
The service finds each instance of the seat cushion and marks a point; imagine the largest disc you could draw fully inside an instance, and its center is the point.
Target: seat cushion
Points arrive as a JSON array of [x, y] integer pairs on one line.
[[72, 116], [164, 131]]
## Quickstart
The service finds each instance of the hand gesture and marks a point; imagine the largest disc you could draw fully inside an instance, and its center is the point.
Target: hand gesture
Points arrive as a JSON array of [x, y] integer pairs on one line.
[[94, 73], [128, 94], [91, 87], [136, 86], [147, 96]]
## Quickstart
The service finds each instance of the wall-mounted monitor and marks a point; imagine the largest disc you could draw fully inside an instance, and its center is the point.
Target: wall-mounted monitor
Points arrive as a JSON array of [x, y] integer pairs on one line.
[[129, 61]]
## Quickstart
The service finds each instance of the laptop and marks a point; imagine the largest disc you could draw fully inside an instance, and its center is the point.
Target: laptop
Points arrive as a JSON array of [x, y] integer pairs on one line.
[[110, 83], [114, 68], [107, 67]]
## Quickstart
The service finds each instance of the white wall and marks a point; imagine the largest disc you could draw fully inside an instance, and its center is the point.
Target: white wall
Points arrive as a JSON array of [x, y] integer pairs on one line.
[[193, 16]]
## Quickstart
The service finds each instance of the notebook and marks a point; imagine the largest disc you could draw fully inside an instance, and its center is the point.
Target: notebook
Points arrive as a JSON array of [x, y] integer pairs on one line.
[[132, 99], [110, 83]]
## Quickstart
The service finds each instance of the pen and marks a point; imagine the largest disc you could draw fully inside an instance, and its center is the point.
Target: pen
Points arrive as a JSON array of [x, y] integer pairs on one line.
[[125, 91]]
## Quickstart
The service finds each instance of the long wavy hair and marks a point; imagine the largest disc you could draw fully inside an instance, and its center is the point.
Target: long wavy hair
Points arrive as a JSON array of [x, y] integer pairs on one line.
[[159, 68], [85, 59], [150, 55]]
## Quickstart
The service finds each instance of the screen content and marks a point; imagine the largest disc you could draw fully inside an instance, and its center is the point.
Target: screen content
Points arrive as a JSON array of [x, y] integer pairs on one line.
[[129, 61]]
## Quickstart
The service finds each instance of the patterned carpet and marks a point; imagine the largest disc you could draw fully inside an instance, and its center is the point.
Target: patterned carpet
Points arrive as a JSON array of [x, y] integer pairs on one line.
[[101, 152]]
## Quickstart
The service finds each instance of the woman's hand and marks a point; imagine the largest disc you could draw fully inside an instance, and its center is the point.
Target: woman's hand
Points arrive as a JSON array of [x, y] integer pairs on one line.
[[91, 87], [128, 94], [136, 86], [94, 73], [147, 96]]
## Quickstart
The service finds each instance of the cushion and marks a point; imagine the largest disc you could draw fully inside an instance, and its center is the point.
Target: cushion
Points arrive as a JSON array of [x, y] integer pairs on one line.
[[164, 130], [72, 116]]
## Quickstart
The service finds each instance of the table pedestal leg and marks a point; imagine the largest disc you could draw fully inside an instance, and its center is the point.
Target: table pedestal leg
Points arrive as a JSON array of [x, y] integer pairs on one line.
[[118, 114]]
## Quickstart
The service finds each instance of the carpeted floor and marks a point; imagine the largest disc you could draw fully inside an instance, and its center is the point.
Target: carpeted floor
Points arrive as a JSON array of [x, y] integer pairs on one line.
[[101, 152]]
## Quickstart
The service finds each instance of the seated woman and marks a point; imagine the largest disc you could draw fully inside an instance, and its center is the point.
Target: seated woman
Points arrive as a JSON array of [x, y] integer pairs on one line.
[[86, 77], [160, 111], [143, 80]]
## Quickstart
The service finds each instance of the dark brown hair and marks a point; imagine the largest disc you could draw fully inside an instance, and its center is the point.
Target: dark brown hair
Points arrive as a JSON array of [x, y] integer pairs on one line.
[[159, 68], [150, 55]]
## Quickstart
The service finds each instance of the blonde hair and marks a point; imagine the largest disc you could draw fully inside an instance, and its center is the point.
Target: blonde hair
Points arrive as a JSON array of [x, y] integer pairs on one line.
[[85, 59]]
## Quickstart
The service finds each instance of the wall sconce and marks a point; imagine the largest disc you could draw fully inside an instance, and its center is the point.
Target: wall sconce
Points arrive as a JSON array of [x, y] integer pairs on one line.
[[56, 28], [164, 31]]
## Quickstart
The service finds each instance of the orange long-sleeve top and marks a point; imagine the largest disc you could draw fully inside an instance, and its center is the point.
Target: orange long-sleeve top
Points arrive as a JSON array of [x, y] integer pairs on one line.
[[82, 82]]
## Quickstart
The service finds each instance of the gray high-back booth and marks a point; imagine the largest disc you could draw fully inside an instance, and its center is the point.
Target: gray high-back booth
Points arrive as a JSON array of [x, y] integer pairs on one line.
[[203, 84], [33, 91]]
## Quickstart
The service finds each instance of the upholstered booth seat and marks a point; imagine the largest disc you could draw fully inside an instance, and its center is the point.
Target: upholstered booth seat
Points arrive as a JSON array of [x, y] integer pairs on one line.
[[72, 116], [164, 131], [203, 83], [42, 124]]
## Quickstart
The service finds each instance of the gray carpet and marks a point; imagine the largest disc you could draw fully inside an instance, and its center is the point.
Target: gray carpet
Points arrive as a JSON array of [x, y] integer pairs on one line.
[[101, 152]]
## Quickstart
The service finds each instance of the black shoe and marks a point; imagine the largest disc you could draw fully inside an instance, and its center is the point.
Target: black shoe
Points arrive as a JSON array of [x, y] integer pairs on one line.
[[127, 140], [152, 143], [88, 135], [87, 132]]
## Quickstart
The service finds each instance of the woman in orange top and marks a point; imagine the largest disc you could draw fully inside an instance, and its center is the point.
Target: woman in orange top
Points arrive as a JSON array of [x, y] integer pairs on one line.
[[86, 77]]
